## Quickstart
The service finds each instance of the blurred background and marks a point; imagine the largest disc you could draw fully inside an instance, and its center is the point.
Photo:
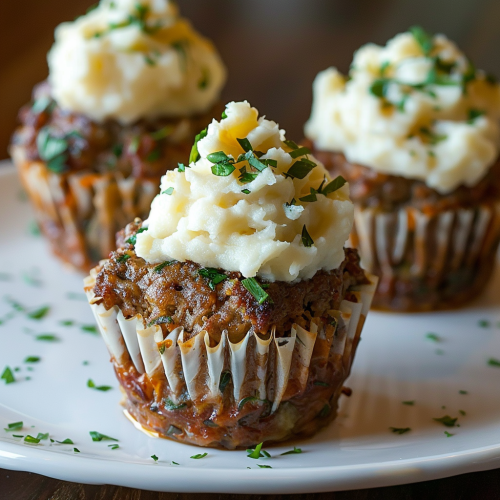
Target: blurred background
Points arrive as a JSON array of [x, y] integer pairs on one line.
[[272, 48]]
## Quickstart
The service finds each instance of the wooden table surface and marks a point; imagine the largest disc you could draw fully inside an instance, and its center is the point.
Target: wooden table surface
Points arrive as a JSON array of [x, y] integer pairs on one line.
[[27, 486], [273, 52]]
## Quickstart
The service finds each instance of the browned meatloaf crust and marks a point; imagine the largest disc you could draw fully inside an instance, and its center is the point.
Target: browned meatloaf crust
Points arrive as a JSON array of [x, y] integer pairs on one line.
[[179, 292], [177, 295], [370, 188], [430, 274], [144, 149]]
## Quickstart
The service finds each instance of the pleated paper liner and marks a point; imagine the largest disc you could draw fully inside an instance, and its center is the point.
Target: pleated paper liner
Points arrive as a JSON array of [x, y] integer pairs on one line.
[[307, 369], [427, 261], [80, 212]]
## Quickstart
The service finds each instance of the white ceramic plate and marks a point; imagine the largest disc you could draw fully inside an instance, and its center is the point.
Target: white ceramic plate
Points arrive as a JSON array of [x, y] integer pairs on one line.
[[396, 362]]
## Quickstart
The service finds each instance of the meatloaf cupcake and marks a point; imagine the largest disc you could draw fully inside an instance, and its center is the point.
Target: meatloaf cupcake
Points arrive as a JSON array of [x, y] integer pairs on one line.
[[415, 131], [233, 314], [130, 84]]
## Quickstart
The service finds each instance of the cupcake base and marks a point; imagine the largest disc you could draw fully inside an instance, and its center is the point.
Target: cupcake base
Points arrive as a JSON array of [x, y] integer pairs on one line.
[[262, 387]]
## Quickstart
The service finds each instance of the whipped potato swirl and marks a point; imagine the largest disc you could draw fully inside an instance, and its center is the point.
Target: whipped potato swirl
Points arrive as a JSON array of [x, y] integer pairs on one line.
[[133, 59], [415, 108], [250, 202]]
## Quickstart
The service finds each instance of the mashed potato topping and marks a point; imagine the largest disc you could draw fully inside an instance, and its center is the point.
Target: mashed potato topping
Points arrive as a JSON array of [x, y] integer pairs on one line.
[[415, 108], [133, 59], [249, 201]]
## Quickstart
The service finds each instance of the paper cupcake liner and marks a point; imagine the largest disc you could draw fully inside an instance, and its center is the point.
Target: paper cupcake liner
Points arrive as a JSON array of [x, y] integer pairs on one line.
[[268, 367], [447, 255], [81, 212]]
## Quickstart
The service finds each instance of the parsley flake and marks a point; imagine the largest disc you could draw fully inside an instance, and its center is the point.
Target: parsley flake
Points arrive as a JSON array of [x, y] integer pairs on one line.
[[97, 436], [170, 405], [155, 458], [159, 268], [122, 258], [31, 440], [292, 452], [409, 403], [461, 391], [400, 430], [253, 286], [245, 144], [168, 191], [133, 239], [102, 388], [483, 323], [195, 155], [307, 241], [225, 378], [39, 313], [113, 446], [256, 452], [446, 420], [47, 337], [300, 169], [160, 320], [264, 466], [494, 362], [66, 441], [434, 337], [8, 376], [423, 39], [213, 276], [199, 455], [333, 186], [14, 426], [448, 434]]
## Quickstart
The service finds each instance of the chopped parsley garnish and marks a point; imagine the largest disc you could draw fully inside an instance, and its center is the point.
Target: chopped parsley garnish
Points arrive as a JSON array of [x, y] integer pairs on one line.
[[103, 388], [168, 191], [246, 191], [409, 403], [223, 115], [154, 155], [400, 430], [301, 151], [170, 405], [66, 441], [248, 399], [52, 150], [333, 186], [225, 378], [291, 144], [175, 463], [162, 133], [172, 430], [473, 114], [448, 434], [213, 276], [253, 286], [8, 376], [431, 137], [256, 452], [292, 452], [310, 197], [160, 320], [199, 455], [462, 392], [245, 144], [39, 313], [47, 337], [97, 436], [491, 362], [159, 268], [210, 423], [41, 436], [76, 450], [155, 458], [90, 329], [204, 80], [264, 466], [322, 384], [113, 446], [462, 413], [483, 323], [423, 39], [194, 155], [182, 167], [31, 439], [434, 337], [446, 420], [246, 177], [67, 322], [123, 258], [14, 426], [223, 169], [307, 241], [300, 169], [42, 104]]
